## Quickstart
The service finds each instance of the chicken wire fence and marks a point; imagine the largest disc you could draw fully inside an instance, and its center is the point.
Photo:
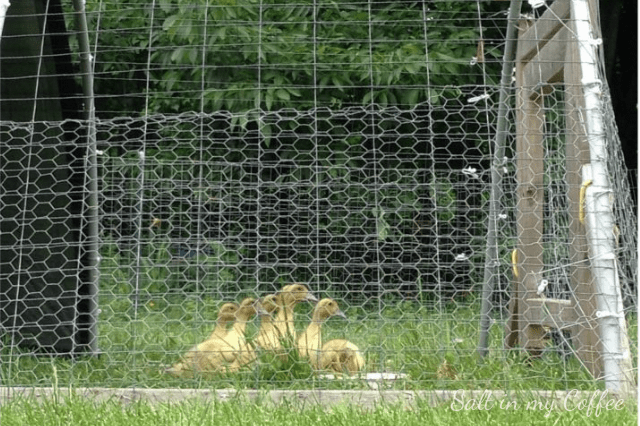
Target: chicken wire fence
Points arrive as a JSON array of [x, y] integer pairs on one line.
[[238, 147]]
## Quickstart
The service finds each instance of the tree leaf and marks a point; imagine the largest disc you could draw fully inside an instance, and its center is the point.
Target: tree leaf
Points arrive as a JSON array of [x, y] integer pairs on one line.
[[268, 99], [283, 94]]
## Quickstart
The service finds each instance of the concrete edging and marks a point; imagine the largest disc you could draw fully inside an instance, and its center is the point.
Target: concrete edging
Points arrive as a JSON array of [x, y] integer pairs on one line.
[[305, 398]]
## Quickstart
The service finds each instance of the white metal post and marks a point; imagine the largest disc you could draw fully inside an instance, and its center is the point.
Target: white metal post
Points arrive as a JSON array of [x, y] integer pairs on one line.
[[599, 214], [4, 6]]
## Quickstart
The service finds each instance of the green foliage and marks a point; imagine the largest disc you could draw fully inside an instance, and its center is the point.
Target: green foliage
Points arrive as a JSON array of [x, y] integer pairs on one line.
[[239, 55], [445, 195], [277, 81], [212, 270], [285, 367]]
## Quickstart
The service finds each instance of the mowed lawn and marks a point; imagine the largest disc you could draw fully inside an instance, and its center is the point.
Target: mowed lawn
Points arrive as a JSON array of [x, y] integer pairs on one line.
[[116, 412]]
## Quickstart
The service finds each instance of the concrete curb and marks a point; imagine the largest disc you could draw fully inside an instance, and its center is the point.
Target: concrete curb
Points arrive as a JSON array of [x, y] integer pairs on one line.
[[477, 399]]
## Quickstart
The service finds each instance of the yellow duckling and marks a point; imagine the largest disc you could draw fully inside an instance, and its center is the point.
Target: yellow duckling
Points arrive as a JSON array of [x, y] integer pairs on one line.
[[268, 336], [340, 356], [235, 338], [226, 354], [310, 341], [287, 299], [226, 315]]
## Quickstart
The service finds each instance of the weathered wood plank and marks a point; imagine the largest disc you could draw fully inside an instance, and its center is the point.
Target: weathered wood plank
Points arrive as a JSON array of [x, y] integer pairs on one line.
[[544, 29], [529, 212], [548, 65], [560, 314]]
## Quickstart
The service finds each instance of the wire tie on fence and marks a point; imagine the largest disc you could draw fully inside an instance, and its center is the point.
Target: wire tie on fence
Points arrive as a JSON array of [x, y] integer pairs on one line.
[[462, 256], [471, 171], [594, 85], [99, 152], [497, 163], [502, 216], [542, 286], [595, 41], [608, 256], [478, 98], [608, 314], [614, 356], [599, 191], [473, 60], [536, 3], [141, 155]]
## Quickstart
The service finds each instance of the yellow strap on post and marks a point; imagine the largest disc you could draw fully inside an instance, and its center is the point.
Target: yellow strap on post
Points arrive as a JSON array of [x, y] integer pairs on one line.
[[514, 263], [583, 200]]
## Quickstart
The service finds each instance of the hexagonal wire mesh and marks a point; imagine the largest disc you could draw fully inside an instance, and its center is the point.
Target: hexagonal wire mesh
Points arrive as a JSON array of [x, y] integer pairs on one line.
[[244, 146]]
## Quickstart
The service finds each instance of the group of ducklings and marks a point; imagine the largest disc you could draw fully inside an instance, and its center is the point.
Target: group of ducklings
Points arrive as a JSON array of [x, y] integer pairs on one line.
[[228, 351]]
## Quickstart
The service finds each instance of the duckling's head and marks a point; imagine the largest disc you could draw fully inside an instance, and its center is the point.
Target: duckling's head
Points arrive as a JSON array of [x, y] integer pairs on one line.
[[294, 293], [269, 303], [249, 307], [227, 312], [327, 308]]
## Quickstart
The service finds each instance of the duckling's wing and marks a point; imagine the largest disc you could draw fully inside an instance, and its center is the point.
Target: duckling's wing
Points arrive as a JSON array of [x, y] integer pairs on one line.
[[309, 343], [341, 355], [218, 333], [268, 337]]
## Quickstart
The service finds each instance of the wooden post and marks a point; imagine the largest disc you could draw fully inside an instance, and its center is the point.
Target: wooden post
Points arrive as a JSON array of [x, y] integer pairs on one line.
[[548, 54], [529, 210]]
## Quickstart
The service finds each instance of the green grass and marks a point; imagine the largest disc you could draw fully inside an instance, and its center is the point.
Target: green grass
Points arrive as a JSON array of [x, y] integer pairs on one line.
[[403, 337], [78, 412]]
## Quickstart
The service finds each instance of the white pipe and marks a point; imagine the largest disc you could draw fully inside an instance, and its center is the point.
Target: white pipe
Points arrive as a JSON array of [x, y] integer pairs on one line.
[[599, 213], [615, 350], [4, 6]]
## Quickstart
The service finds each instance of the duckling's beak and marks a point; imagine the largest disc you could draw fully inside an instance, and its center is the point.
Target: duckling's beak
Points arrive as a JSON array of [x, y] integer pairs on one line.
[[172, 371], [310, 298], [341, 314], [259, 309]]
